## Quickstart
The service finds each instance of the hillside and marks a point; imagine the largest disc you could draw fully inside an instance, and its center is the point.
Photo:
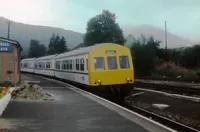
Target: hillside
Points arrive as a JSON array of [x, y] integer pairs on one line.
[[24, 32], [174, 41]]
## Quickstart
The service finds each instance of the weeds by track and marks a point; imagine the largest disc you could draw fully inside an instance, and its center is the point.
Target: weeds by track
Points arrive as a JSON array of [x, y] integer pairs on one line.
[[169, 88]]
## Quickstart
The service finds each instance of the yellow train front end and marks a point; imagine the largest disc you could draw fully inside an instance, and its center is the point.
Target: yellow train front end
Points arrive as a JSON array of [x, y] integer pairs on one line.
[[111, 68]]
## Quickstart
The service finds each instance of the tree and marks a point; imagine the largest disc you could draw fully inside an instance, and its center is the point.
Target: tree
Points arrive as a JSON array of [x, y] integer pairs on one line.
[[61, 46], [57, 45], [36, 49], [103, 29], [144, 55]]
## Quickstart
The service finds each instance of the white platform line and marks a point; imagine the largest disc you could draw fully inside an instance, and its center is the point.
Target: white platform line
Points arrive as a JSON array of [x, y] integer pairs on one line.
[[143, 121], [196, 99]]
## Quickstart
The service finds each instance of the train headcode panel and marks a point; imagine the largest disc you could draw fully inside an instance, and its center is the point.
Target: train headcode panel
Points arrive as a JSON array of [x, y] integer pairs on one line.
[[110, 52]]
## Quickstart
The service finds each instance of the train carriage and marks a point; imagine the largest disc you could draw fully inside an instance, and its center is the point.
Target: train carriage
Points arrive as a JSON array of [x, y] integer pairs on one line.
[[27, 65], [98, 66], [45, 65]]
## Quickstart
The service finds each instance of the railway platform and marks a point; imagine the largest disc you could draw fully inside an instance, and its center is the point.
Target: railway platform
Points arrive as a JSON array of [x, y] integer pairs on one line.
[[71, 111]]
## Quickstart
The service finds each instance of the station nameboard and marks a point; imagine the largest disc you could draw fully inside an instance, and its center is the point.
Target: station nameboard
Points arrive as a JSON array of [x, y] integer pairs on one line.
[[6, 47]]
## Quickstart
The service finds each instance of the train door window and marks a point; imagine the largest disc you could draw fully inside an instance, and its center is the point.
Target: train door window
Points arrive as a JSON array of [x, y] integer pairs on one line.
[[82, 64], [35, 65], [124, 62], [42, 64], [112, 62], [62, 65], [50, 66], [73, 66], [87, 63], [67, 64], [77, 64], [70, 64], [99, 63]]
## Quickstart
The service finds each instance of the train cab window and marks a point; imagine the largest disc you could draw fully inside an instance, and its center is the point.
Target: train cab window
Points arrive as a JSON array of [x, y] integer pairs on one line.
[[99, 63], [112, 62], [82, 64], [124, 62], [77, 64]]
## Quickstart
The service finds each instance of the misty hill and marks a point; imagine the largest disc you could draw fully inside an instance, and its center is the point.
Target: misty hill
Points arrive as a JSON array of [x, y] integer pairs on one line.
[[23, 33], [174, 41]]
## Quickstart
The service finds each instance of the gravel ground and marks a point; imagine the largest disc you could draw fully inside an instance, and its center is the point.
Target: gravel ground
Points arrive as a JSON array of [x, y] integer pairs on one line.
[[186, 112]]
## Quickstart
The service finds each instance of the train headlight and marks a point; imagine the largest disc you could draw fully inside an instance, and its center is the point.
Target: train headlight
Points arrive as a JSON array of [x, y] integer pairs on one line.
[[99, 81], [127, 78]]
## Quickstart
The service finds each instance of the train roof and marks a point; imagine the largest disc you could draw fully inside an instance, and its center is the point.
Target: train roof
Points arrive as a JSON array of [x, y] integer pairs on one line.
[[28, 59], [84, 50], [49, 57]]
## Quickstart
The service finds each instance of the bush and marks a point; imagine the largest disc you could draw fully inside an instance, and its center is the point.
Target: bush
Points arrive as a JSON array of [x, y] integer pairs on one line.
[[198, 73], [6, 83]]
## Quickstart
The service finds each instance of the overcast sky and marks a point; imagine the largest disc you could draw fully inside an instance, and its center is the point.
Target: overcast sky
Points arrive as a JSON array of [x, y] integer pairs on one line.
[[183, 16]]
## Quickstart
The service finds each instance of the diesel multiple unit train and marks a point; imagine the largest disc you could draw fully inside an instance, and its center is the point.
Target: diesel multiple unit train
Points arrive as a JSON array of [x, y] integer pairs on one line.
[[103, 67]]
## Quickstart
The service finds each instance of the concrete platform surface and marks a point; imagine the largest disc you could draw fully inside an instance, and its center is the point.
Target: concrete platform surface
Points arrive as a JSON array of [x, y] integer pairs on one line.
[[70, 112]]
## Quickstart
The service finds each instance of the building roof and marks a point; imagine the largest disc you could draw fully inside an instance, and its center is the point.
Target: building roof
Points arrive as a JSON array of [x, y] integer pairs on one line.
[[12, 42]]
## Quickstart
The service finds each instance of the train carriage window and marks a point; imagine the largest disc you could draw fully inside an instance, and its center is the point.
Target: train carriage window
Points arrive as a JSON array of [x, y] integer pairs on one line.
[[99, 63], [112, 62], [70, 64], [40, 66], [77, 64], [57, 64], [124, 62], [48, 65], [64, 65], [82, 64]]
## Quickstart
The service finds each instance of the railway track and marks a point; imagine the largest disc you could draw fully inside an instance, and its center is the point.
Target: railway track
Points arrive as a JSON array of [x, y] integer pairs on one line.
[[163, 120], [169, 88]]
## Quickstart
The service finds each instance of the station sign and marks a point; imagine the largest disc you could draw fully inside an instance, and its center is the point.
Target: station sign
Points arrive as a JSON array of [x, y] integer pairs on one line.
[[6, 47]]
